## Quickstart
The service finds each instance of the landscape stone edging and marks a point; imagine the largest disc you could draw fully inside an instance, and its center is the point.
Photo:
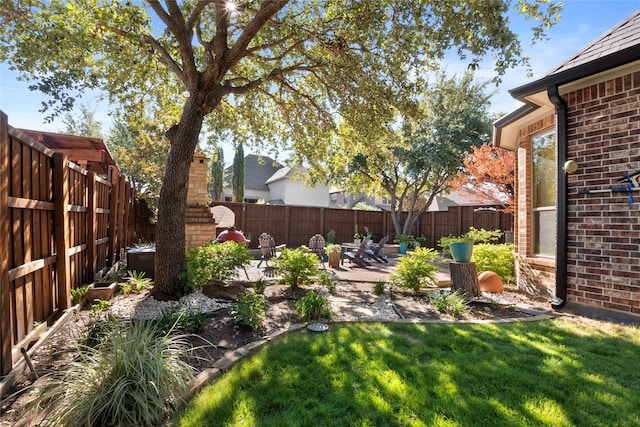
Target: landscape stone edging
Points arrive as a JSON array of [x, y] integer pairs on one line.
[[232, 357]]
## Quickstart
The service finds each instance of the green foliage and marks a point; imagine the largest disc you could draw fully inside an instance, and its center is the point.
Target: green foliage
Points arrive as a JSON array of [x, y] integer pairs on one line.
[[249, 309], [403, 238], [331, 237], [100, 305], [363, 206], [483, 236], [452, 303], [237, 179], [313, 306], [99, 328], [132, 377], [328, 281], [78, 293], [378, 288], [473, 235], [332, 247], [216, 175], [497, 258], [173, 319], [417, 269], [260, 286], [138, 282], [214, 261], [296, 267]]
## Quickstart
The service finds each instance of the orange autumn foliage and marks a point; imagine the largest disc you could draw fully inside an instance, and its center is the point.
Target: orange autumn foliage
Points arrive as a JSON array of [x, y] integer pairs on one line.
[[489, 174]]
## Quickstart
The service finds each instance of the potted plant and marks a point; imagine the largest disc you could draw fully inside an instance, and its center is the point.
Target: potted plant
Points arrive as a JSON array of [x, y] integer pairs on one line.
[[333, 251], [460, 247], [403, 240], [357, 237]]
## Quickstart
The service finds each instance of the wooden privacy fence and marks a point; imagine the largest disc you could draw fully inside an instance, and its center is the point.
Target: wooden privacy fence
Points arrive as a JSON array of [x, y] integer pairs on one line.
[[59, 226], [294, 225]]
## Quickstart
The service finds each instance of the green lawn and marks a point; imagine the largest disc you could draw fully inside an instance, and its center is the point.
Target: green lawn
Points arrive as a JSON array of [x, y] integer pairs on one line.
[[551, 372]]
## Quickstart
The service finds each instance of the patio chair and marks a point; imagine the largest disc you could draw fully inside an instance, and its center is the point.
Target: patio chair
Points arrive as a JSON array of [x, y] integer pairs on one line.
[[375, 250], [268, 248], [316, 245], [357, 256]]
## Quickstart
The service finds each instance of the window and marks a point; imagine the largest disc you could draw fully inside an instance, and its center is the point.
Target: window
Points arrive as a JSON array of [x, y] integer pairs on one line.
[[544, 193]]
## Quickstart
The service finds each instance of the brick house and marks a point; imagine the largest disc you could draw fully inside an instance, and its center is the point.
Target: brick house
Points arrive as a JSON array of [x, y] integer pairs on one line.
[[577, 144]]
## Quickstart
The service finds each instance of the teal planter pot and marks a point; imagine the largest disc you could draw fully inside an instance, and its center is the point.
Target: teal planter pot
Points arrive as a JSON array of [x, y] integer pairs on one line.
[[461, 251], [403, 248]]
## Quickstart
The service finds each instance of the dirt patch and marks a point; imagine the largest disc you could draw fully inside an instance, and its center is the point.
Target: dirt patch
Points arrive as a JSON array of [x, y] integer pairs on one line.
[[350, 302]]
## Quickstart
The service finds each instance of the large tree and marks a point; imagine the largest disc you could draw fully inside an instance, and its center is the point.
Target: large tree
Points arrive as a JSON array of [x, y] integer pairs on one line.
[[417, 155], [269, 70]]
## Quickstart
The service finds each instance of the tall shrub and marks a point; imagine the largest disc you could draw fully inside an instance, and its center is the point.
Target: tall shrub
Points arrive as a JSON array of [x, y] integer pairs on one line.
[[237, 180], [416, 269], [214, 261], [497, 258]]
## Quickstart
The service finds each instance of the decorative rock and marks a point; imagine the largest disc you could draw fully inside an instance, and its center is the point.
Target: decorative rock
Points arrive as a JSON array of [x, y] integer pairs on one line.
[[219, 289], [490, 282]]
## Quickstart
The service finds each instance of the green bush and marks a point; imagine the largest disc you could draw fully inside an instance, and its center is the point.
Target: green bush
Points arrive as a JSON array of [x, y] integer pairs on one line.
[[296, 267], [132, 378], [473, 235], [249, 309], [313, 306], [78, 293], [378, 288], [172, 319], [214, 261], [416, 269], [452, 303], [327, 280], [497, 258]]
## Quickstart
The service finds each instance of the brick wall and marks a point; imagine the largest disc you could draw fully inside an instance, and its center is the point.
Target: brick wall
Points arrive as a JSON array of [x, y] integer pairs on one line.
[[603, 228]]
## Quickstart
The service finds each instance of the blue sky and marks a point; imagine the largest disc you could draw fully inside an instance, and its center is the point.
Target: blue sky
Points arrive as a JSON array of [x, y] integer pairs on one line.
[[582, 21]]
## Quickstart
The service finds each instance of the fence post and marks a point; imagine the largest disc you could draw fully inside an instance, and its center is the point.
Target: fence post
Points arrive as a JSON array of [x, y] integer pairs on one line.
[[6, 363], [61, 210], [92, 226], [287, 224], [113, 213], [121, 230]]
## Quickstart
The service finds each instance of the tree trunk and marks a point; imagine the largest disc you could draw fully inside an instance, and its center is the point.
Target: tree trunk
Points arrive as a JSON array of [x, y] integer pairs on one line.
[[464, 278], [170, 238]]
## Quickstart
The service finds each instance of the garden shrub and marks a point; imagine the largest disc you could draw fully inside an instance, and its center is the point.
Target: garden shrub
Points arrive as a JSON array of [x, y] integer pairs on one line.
[[378, 287], [296, 267], [497, 258], [325, 279], [452, 303], [313, 306], [416, 269], [214, 261], [77, 294], [133, 377], [249, 309]]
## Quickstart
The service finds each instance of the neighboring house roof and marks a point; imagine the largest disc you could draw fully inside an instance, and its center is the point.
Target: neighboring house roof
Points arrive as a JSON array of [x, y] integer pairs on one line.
[[257, 170], [285, 172], [90, 153], [458, 198], [616, 47]]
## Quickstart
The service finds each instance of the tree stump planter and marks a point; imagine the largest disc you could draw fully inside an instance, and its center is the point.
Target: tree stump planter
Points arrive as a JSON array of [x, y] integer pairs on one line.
[[464, 278], [334, 259]]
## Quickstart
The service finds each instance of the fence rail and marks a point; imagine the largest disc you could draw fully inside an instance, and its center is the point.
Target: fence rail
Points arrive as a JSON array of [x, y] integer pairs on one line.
[[59, 226], [294, 225]]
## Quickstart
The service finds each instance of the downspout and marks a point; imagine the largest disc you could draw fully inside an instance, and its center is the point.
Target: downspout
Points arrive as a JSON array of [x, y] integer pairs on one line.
[[561, 198]]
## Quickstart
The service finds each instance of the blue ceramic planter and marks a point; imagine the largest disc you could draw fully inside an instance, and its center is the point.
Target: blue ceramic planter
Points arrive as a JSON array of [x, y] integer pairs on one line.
[[403, 248], [461, 251]]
